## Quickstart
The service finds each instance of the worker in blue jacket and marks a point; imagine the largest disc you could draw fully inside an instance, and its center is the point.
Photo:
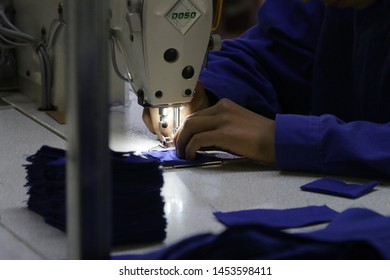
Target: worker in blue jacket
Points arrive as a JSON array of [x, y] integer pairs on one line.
[[307, 88]]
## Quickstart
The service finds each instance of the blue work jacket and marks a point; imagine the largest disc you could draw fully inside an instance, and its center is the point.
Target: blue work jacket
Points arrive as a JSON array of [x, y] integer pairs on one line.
[[324, 75]]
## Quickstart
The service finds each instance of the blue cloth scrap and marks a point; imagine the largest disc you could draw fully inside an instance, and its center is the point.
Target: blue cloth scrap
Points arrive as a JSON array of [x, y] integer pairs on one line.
[[279, 219], [168, 158], [354, 234], [358, 224], [338, 188]]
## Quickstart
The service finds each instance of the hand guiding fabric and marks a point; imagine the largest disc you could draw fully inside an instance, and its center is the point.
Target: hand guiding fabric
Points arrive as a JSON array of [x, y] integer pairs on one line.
[[229, 127]]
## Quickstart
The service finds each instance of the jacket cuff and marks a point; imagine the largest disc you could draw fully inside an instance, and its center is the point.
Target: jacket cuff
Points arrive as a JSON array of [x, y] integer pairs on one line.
[[297, 142]]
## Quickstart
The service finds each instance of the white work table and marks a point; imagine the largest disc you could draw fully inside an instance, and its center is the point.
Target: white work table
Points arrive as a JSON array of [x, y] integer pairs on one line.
[[191, 194]]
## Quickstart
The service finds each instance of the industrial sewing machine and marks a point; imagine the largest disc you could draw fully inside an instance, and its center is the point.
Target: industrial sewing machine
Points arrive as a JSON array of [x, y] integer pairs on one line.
[[157, 49], [166, 44]]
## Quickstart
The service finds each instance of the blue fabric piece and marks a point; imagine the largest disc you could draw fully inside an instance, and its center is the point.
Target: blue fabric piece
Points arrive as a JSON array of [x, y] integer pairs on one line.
[[358, 224], [324, 75], [279, 219], [353, 234], [169, 158], [137, 204], [339, 188]]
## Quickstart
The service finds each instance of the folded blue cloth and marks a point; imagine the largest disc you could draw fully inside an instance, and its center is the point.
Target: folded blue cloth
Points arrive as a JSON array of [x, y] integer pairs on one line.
[[137, 204], [353, 234], [339, 188], [279, 219]]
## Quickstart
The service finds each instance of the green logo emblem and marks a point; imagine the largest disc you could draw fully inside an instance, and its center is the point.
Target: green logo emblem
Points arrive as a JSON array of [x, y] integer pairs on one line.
[[183, 15]]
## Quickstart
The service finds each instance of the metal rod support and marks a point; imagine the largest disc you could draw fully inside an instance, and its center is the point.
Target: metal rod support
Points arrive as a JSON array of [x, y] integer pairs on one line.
[[88, 159]]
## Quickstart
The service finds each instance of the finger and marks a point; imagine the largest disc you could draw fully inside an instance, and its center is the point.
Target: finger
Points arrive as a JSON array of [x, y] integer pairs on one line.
[[202, 140], [147, 118], [187, 113], [191, 127]]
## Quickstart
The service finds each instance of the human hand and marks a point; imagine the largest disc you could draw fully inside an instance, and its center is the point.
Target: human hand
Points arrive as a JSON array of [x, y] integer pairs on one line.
[[151, 116], [229, 127]]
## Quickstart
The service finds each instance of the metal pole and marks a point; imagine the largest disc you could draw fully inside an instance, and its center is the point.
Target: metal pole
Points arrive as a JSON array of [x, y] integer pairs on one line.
[[88, 159]]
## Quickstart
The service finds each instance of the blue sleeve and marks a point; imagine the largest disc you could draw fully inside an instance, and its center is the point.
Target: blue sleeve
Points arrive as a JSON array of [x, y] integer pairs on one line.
[[351, 97], [269, 69], [328, 145]]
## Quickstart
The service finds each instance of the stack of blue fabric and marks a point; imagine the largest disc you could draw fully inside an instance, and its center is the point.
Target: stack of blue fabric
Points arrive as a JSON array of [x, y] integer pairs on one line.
[[138, 207]]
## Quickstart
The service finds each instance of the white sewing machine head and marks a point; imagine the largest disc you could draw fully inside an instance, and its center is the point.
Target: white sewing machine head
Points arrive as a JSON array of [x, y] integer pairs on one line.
[[165, 46], [163, 43]]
